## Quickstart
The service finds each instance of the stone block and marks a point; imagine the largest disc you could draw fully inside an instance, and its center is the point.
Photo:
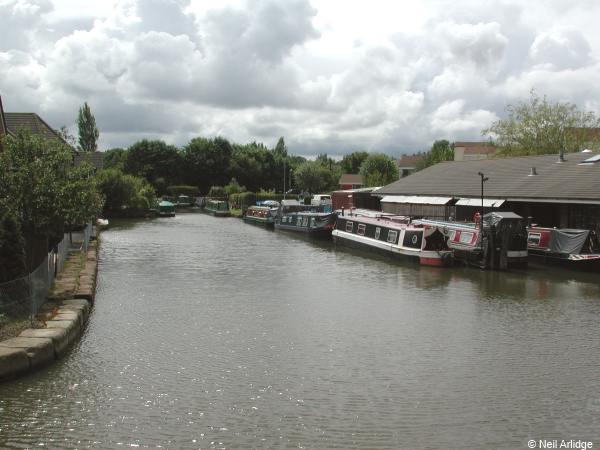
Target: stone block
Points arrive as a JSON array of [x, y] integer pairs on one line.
[[40, 351], [83, 308], [59, 337], [85, 292], [69, 315], [72, 328], [13, 361]]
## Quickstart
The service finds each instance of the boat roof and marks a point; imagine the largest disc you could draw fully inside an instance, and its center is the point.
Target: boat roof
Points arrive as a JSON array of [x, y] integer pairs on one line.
[[388, 221]]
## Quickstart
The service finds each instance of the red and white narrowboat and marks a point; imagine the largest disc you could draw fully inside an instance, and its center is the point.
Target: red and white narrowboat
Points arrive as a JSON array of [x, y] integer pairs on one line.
[[568, 247], [392, 235]]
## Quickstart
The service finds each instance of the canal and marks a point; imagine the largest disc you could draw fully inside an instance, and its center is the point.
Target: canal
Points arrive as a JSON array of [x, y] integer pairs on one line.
[[209, 333]]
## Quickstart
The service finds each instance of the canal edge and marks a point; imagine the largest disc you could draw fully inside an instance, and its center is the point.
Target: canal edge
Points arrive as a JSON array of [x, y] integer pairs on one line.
[[35, 348]]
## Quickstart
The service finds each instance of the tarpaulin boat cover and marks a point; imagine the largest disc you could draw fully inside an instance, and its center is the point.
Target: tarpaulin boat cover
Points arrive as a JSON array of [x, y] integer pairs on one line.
[[568, 240], [494, 218]]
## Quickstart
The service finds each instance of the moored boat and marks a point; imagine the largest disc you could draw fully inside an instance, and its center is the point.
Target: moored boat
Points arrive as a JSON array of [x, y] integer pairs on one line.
[[292, 216], [568, 247], [166, 209], [393, 235], [499, 242], [261, 215], [218, 208]]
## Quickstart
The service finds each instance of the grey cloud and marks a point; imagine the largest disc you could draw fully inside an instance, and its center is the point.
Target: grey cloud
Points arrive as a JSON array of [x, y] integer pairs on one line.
[[18, 19], [561, 49]]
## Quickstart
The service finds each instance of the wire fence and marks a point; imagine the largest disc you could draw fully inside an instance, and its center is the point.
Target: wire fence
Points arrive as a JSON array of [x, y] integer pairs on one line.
[[24, 296]]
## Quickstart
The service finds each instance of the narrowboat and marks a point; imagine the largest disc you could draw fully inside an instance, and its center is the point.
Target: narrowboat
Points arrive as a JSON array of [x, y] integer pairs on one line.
[[166, 209], [393, 235], [498, 241], [568, 247], [218, 208], [292, 216], [260, 215]]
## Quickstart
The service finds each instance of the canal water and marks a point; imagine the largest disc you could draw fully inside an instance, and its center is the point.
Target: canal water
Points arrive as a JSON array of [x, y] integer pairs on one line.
[[210, 333]]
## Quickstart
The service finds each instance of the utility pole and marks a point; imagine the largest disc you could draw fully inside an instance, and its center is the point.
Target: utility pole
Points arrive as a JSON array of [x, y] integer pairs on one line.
[[483, 180]]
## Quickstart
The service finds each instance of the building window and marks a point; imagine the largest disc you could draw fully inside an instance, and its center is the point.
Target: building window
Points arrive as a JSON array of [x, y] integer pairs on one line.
[[392, 236], [349, 226], [377, 232], [361, 229]]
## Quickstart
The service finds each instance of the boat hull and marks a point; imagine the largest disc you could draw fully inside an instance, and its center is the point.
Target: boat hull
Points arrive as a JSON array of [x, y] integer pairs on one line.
[[260, 221], [574, 262], [425, 258]]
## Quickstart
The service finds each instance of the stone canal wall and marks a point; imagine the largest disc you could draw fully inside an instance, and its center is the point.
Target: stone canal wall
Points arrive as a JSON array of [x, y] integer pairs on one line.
[[63, 319]]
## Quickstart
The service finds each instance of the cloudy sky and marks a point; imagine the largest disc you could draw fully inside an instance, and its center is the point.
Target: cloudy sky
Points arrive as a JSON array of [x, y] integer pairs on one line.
[[330, 76]]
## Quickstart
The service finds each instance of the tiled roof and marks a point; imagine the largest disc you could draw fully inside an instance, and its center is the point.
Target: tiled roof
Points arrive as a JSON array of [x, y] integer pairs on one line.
[[94, 158], [410, 161], [480, 150], [351, 178], [508, 179], [30, 122]]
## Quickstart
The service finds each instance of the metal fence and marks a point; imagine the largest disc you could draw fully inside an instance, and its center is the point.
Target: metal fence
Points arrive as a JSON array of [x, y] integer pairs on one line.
[[24, 296]]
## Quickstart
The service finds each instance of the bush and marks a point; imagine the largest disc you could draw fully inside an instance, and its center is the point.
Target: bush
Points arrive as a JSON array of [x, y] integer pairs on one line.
[[126, 195], [217, 192], [190, 191], [12, 247]]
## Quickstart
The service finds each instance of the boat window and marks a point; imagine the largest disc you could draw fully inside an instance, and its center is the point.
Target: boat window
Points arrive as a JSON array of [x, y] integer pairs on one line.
[[534, 239], [305, 221], [361, 229], [451, 235], [466, 237], [349, 226], [312, 221], [299, 221], [377, 232], [392, 236]]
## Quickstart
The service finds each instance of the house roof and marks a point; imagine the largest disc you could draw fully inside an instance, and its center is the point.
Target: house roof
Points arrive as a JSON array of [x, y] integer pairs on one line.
[[351, 178], [410, 161], [96, 159], [508, 178], [30, 122]]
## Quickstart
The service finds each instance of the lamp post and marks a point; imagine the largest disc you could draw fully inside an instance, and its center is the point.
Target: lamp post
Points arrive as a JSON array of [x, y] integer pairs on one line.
[[483, 180]]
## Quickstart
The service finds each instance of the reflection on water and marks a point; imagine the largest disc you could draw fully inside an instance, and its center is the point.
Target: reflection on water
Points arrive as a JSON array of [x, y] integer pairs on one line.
[[209, 333]]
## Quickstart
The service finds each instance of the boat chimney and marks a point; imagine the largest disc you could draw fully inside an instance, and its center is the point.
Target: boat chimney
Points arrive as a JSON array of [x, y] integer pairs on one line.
[[533, 172]]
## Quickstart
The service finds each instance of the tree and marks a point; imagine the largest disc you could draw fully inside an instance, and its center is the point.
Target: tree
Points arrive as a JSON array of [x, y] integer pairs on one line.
[[351, 163], [159, 163], [114, 158], [125, 194], [441, 150], [82, 200], [311, 176], [542, 127], [88, 132], [378, 170], [12, 246], [206, 162]]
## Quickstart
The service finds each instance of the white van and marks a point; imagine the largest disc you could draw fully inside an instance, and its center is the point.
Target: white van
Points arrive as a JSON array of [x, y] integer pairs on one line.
[[321, 200]]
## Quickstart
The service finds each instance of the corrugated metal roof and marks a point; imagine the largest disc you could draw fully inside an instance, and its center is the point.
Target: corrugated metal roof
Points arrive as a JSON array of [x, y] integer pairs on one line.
[[416, 199], [487, 202], [507, 178]]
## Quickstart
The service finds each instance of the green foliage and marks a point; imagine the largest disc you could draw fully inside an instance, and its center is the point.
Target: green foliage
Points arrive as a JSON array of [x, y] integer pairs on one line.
[[81, 196], [540, 126], [313, 176], [88, 132], [12, 246], [234, 187], [351, 163], [441, 150], [157, 162], [206, 162], [34, 175], [114, 158], [217, 192], [125, 195], [378, 169], [190, 191]]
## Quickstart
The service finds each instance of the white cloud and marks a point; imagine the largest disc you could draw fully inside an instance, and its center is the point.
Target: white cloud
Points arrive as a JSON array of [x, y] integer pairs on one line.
[[328, 75]]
